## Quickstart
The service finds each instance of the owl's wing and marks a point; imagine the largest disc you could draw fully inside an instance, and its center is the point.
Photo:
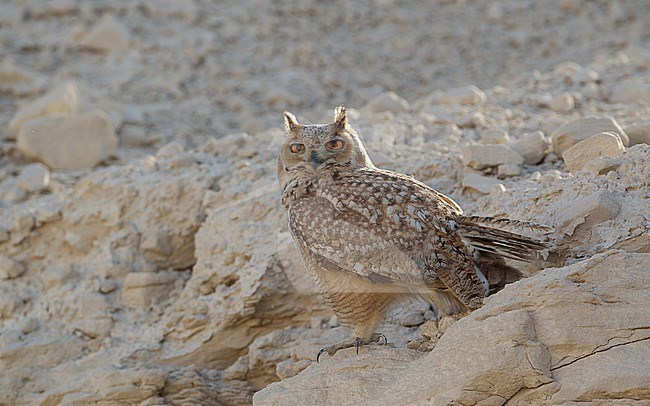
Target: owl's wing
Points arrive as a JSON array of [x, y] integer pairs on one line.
[[389, 232]]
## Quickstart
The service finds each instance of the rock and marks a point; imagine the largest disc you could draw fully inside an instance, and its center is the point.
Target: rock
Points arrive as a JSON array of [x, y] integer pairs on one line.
[[562, 103], [19, 81], [68, 142], [602, 165], [495, 136], [540, 349], [531, 146], [142, 289], [107, 35], [580, 129], [10, 302], [134, 136], [63, 99], [466, 95], [480, 183], [388, 101], [586, 212], [34, 177], [57, 276], [485, 156], [10, 269], [631, 92], [94, 328], [11, 14], [185, 10], [606, 144], [639, 133], [42, 352], [170, 149], [508, 170]]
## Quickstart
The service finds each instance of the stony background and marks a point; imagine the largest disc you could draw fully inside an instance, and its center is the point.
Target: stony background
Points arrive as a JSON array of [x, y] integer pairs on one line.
[[143, 253]]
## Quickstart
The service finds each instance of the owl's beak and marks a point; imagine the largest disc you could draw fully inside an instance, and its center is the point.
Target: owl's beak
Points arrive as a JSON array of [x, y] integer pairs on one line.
[[316, 159]]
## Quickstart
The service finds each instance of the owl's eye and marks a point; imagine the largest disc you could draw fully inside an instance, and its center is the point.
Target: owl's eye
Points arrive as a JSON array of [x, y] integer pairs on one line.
[[335, 144], [297, 147]]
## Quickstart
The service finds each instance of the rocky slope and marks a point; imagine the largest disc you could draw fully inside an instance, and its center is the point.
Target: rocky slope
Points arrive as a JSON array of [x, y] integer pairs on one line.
[[144, 257]]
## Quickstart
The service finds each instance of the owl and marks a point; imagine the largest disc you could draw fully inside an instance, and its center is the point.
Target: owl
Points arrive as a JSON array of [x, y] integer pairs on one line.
[[371, 238]]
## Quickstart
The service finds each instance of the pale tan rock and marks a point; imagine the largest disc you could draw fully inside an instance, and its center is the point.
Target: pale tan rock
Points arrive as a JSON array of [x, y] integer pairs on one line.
[[68, 142], [34, 177], [531, 146], [495, 136], [63, 99], [562, 103], [169, 149], [580, 129], [540, 352], [94, 328], [485, 156], [10, 268], [587, 211], [41, 352], [606, 144], [466, 95], [508, 170], [107, 35], [18, 80], [388, 101], [57, 276], [480, 183], [639, 133], [631, 92], [142, 289], [10, 302]]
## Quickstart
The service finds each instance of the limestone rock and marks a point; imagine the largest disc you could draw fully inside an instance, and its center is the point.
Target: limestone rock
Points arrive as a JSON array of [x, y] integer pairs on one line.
[[485, 156], [562, 103], [107, 35], [10, 302], [63, 99], [631, 92], [580, 129], [495, 136], [480, 183], [388, 101], [508, 170], [69, 142], [34, 177], [639, 133], [10, 269], [19, 81], [607, 144], [532, 147], [587, 212], [142, 289], [540, 351], [11, 14], [466, 95]]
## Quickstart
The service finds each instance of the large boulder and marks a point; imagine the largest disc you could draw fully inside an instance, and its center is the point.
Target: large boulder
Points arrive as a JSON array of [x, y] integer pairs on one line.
[[574, 334]]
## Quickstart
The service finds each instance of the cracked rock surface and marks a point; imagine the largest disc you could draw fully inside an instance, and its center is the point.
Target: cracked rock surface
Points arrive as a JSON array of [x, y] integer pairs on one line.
[[144, 257]]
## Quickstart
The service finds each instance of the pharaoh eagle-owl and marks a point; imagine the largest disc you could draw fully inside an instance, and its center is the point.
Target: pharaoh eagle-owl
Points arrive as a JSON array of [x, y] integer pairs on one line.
[[371, 237]]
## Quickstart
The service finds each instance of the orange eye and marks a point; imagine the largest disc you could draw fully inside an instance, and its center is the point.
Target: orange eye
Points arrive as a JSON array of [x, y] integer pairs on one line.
[[295, 148], [335, 144]]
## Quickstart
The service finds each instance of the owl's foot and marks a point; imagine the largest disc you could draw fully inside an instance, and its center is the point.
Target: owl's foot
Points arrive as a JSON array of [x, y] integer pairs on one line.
[[355, 342]]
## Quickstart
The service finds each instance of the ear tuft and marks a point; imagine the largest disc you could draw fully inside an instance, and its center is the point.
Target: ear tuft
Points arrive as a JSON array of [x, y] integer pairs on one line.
[[290, 122], [341, 116]]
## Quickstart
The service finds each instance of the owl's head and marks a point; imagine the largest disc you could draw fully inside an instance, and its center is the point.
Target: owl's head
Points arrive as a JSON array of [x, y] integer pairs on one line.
[[315, 147]]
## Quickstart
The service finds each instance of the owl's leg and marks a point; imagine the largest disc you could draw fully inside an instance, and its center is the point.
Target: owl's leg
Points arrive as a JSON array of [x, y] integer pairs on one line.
[[355, 342]]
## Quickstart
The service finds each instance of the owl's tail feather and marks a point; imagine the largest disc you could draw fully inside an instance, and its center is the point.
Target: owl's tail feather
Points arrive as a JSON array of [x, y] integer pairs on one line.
[[487, 235]]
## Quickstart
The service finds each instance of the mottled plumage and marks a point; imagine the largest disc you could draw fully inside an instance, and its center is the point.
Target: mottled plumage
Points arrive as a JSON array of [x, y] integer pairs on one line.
[[371, 237]]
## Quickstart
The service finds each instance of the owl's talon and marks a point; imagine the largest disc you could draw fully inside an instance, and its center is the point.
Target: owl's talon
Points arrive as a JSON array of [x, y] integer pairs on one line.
[[355, 342]]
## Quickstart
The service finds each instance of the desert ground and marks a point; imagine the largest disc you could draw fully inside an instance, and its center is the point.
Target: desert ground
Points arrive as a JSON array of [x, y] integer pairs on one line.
[[144, 255]]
